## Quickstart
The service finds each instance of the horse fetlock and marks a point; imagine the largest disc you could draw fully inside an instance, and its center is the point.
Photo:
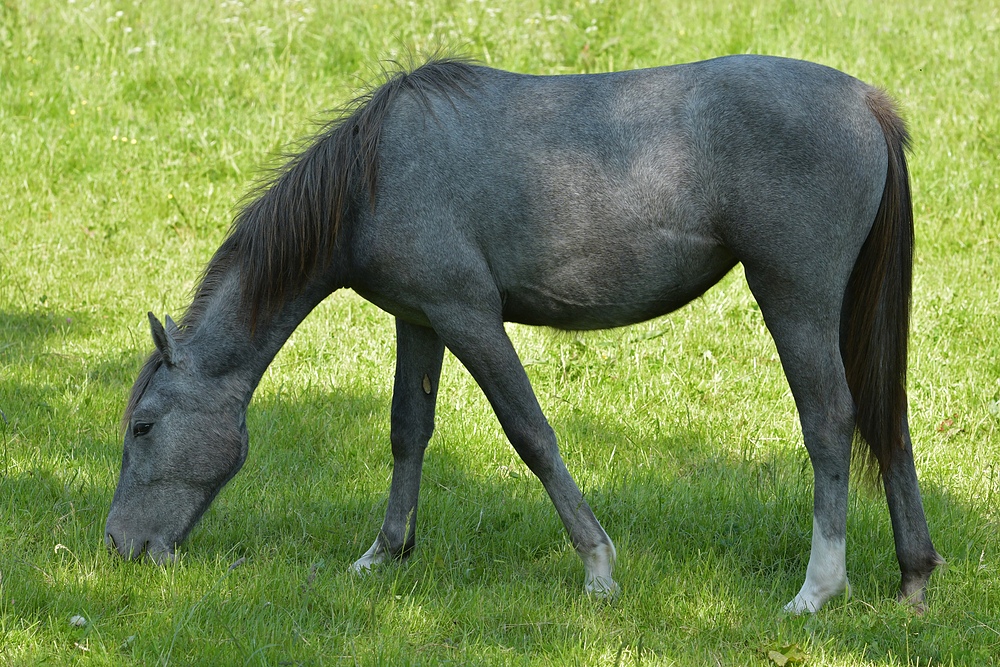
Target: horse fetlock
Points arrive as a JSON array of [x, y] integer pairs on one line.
[[913, 584]]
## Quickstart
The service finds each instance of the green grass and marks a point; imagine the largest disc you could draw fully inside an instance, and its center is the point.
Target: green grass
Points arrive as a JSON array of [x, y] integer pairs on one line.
[[129, 132]]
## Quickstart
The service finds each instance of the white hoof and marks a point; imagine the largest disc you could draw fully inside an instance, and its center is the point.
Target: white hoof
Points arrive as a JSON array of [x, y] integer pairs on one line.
[[598, 565], [801, 604], [826, 574], [811, 598], [602, 588], [372, 559]]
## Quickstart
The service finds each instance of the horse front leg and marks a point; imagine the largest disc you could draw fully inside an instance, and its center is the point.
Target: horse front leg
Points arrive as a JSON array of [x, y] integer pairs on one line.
[[480, 342], [419, 354]]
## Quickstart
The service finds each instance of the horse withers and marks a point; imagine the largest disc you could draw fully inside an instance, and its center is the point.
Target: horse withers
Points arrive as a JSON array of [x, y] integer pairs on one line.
[[458, 197]]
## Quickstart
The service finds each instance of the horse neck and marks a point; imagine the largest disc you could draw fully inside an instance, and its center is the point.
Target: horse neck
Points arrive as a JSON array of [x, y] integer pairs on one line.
[[223, 342]]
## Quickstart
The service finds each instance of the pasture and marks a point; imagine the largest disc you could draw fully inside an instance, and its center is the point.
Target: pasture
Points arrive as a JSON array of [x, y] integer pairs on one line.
[[131, 131]]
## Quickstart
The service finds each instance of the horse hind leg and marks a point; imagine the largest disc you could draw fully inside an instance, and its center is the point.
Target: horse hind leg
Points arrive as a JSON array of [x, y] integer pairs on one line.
[[826, 415], [419, 355], [917, 556], [806, 334]]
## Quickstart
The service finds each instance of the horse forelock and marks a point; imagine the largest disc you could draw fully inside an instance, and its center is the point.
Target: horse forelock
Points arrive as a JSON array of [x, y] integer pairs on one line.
[[289, 225], [152, 364]]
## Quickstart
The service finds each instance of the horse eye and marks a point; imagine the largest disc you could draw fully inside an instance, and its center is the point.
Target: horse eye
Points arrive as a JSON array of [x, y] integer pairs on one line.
[[140, 428]]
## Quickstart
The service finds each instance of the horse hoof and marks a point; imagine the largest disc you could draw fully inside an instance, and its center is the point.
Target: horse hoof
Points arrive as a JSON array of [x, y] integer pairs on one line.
[[915, 601], [362, 567], [800, 605], [603, 588], [810, 604], [372, 558]]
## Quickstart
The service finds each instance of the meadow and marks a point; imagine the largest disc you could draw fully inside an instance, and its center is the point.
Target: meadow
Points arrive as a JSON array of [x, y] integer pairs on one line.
[[130, 131]]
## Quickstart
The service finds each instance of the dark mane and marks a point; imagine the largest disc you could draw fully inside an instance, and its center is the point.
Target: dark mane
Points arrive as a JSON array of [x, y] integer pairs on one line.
[[280, 236], [289, 223]]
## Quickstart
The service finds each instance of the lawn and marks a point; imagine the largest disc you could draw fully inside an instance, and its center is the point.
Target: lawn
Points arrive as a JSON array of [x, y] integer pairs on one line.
[[131, 130]]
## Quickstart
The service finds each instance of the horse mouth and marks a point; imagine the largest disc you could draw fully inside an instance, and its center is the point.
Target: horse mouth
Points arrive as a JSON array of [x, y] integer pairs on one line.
[[154, 551]]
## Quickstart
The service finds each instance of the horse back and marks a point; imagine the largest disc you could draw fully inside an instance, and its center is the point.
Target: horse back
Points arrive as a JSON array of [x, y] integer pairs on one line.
[[590, 201]]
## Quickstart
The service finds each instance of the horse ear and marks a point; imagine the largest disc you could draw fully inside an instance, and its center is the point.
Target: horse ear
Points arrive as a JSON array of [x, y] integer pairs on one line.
[[172, 328], [165, 339]]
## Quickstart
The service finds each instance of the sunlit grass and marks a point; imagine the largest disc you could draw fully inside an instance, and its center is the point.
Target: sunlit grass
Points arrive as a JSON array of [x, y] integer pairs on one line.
[[130, 131]]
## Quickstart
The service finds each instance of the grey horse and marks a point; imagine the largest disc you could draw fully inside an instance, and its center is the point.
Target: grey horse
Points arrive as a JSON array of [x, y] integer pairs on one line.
[[458, 197]]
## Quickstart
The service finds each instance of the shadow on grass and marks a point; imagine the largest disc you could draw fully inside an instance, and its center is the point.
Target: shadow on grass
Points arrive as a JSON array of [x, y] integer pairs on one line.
[[50, 398], [705, 539], [56, 456], [708, 531]]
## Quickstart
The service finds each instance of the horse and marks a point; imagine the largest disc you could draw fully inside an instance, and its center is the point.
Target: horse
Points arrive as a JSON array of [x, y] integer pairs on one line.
[[458, 197]]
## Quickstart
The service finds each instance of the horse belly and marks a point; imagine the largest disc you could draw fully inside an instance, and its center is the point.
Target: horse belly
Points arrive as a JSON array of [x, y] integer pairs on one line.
[[614, 287]]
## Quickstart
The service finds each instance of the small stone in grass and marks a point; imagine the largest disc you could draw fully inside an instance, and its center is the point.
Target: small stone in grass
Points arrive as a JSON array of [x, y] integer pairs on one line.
[[78, 621]]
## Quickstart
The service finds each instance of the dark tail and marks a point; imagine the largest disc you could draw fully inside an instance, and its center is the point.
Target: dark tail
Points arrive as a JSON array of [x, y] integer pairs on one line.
[[875, 321]]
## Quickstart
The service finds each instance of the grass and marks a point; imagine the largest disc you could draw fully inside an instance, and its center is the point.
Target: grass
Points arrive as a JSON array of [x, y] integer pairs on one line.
[[131, 129]]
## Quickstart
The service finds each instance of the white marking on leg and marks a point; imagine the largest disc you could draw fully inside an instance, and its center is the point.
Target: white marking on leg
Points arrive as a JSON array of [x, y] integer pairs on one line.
[[598, 565], [372, 558], [826, 574], [379, 552]]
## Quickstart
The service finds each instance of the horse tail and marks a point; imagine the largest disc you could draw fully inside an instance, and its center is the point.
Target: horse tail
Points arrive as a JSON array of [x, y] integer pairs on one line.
[[875, 320]]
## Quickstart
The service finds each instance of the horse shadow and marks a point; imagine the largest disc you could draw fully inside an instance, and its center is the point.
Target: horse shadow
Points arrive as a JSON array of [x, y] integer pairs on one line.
[[751, 513], [740, 524], [316, 483]]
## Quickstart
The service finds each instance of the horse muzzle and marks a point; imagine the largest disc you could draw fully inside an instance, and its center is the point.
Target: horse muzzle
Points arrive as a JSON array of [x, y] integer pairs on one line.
[[134, 545]]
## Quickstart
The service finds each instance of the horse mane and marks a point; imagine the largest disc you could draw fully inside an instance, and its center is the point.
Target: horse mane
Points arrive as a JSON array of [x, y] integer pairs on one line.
[[289, 222], [283, 234], [291, 226]]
